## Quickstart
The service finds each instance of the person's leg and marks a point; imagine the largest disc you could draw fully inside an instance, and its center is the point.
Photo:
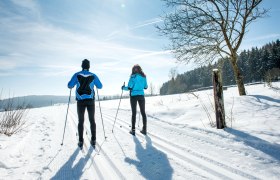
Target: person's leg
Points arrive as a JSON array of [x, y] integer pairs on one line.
[[133, 103], [81, 111], [141, 102], [91, 117]]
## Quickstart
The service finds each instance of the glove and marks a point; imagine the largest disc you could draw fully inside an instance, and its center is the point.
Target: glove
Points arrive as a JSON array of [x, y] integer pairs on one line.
[[123, 86]]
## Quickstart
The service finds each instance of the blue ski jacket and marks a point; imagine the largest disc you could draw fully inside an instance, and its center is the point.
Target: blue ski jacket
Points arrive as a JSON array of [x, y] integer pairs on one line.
[[84, 81], [136, 85]]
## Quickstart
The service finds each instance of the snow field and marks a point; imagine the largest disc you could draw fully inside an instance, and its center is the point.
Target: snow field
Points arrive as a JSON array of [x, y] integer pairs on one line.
[[180, 143]]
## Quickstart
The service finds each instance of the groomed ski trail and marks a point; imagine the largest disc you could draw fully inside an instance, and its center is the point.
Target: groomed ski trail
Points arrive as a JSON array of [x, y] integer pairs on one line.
[[184, 156], [102, 164]]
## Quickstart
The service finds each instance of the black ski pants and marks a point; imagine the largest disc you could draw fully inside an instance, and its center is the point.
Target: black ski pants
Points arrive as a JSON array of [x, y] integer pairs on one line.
[[133, 102], [81, 107]]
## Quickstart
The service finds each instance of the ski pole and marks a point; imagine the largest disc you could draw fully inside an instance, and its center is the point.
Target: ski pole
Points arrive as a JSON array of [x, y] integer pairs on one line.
[[66, 117], [101, 113], [118, 109]]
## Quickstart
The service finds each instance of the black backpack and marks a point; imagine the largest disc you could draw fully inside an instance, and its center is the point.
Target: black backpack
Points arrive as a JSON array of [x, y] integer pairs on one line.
[[85, 81]]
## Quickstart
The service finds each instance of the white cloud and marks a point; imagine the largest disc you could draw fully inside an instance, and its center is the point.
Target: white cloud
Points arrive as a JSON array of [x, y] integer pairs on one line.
[[127, 31], [258, 41], [29, 4], [29, 7], [152, 53], [56, 52], [265, 37], [38, 47], [147, 23]]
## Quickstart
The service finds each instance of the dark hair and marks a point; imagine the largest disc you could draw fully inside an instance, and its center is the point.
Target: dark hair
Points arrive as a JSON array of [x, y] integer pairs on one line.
[[137, 69], [85, 64]]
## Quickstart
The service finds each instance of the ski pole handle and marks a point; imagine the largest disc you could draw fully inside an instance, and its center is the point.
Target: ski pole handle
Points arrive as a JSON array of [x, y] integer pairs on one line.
[[123, 85]]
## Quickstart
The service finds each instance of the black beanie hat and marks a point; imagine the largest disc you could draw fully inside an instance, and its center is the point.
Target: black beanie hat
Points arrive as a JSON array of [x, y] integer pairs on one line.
[[85, 64]]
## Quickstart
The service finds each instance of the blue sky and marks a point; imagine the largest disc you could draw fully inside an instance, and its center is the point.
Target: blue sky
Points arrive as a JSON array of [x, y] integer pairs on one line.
[[42, 43]]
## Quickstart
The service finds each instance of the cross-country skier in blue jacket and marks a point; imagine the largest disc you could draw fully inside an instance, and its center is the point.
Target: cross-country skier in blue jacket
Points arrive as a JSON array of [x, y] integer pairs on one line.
[[136, 85], [85, 82]]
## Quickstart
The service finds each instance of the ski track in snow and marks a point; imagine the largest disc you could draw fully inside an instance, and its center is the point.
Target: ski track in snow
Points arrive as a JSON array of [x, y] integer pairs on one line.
[[198, 135], [199, 161], [98, 151], [169, 151], [211, 167]]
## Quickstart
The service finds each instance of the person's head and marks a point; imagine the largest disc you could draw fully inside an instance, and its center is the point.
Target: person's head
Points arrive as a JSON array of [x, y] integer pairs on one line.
[[137, 69], [85, 64]]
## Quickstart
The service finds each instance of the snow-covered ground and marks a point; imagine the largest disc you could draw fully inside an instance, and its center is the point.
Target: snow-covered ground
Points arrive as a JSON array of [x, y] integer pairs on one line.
[[180, 143]]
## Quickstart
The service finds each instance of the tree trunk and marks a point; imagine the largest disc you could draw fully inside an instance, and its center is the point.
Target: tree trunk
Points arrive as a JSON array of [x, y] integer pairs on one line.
[[238, 76]]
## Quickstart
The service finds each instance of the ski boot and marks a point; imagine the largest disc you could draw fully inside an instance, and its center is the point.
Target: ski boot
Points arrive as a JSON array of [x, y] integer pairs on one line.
[[143, 131], [132, 131], [80, 144], [93, 142]]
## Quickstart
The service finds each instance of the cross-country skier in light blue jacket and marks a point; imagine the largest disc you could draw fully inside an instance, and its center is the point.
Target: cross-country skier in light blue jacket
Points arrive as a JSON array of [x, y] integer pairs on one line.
[[136, 85]]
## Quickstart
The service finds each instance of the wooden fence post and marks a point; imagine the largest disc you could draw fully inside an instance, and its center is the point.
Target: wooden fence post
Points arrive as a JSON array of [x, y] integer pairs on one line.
[[219, 99]]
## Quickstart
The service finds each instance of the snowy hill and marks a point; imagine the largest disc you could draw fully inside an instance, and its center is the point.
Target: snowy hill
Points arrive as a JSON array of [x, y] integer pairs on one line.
[[36, 101], [181, 144]]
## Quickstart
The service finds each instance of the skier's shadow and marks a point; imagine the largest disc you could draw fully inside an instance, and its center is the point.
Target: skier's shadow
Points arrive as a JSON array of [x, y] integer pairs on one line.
[[151, 162], [70, 170], [256, 143]]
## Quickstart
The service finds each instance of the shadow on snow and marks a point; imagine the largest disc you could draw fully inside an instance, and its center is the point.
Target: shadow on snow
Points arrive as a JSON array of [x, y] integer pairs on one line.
[[262, 99], [256, 143], [70, 170], [151, 163]]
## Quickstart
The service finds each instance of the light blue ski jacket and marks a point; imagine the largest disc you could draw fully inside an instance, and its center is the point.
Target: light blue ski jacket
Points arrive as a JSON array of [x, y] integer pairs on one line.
[[136, 85]]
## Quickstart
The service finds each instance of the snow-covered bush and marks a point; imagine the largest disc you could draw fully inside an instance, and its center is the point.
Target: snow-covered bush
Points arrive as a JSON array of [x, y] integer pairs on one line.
[[12, 118]]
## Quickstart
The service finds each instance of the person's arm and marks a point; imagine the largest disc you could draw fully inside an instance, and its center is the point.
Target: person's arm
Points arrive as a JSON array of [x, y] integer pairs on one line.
[[97, 82], [146, 84], [129, 86], [73, 81], [125, 88]]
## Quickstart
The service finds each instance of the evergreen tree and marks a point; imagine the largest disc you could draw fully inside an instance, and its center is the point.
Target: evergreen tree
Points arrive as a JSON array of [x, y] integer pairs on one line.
[[254, 65]]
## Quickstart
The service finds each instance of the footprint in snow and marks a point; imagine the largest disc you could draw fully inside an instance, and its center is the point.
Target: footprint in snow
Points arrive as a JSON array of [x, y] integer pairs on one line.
[[2, 165]]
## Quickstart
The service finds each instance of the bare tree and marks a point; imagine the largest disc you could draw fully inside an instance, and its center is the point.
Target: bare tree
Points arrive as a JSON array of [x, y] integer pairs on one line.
[[203, 30], [173, 73], [272, 75], [152, 89]]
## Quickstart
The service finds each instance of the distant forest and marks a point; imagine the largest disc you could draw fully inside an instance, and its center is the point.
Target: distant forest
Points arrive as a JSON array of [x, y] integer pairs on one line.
[[255, 65]]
